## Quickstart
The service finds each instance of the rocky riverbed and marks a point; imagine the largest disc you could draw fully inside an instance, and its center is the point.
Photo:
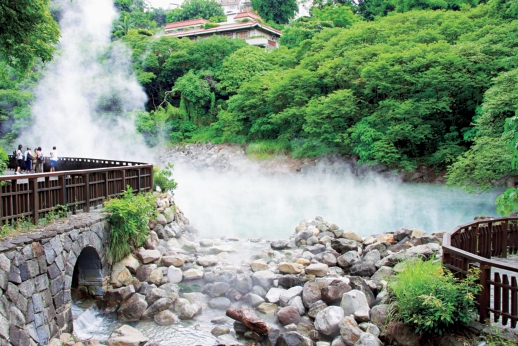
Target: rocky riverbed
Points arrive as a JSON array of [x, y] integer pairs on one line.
[[322, 286], [233, 158]]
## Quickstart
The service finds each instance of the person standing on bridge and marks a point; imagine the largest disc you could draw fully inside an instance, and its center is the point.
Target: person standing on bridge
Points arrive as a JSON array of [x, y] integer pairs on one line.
[[28, 160], [19, 159], [53, 159]]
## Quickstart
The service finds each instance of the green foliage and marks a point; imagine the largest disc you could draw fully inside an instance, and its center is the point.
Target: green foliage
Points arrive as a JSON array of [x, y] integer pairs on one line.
[[429, 298], [278, 11], [28, 32], [129, 216], [507, 202], [341, 16], [193, 9], [163, 178], [22, 224]]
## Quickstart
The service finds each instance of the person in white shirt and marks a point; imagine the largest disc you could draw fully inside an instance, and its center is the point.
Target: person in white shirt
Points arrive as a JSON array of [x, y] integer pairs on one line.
[[53, 159], [19, 159]]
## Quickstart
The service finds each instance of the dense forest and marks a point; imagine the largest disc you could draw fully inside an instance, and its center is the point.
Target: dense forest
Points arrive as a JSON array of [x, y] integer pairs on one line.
[[402, 83]]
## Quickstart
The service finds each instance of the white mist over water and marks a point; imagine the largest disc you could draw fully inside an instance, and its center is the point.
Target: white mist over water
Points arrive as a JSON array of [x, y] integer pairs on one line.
[[255, 205], [83, 102]]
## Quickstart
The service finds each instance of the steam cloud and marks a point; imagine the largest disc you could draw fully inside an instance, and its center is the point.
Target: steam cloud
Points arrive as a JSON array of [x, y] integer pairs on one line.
[[83, 103], [254, 205]]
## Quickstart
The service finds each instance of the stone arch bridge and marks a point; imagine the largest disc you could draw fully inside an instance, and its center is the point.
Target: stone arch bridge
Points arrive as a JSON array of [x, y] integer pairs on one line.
[[39, 271]]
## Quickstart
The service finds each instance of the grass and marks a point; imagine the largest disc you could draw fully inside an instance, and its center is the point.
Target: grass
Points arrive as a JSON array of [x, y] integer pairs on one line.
[[24, 224], [264, 150]]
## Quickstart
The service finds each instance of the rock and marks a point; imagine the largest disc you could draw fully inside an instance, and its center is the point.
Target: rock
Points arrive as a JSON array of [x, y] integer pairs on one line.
[[334, 291], [169, 215], [288, 281], [254, 300], [290, 268], [173, 260], [243, 283], [352, 236], [116, 296], [316, 307], [296, 302], [279, 244], [302, 236], [161, 220], [372, 256], [355, 303], [220, 330], [249, 319], [288, 315], [188, 311], [303, 261], [402, 333], [379, 315], [132, 309], [327, 321], [119, 274], [148, 256], [362, 268], [144, 271], [402, 233], [273, 295], [174, 274], [192, 274], [126, 336], [131, 263], [348, 259], [165, 318], [208, 261], [358, 283], [266, 308], [349, 330], [221, 303], [258, 265], [367, 339], [206, 242], [312, 291], [317, 269], [287, 295], [219, 289], [342, 245], [156, 275], [383, 273], [329, 259], [160, 305], [387, 238], [293, 339], [264, 278], [370, 328]]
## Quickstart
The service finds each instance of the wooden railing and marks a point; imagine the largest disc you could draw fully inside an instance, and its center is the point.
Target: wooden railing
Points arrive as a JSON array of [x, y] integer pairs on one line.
[[475, 244], [79, 184]]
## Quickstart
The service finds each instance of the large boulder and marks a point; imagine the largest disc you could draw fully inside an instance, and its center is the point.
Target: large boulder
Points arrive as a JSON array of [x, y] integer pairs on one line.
[[148, 256], [273, 295], [288, 315], [348, 259], [342, 245], [327, 321], [334, 291], [290, 268], [264, 278], [116, 296], [160, 305], [126, 336], [317, 269], [363, 268], [287, 295], [293, 339], [165, 318], [312, 291], [132, 309], [355, 303], [349, 331], [379, 315]]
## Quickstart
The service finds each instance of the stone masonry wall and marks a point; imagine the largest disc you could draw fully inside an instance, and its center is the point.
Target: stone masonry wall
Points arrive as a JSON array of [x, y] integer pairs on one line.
[[36, 272]]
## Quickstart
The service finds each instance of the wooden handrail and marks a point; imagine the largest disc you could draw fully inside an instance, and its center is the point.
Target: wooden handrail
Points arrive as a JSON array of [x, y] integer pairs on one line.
[[36, 194], [475, 236]]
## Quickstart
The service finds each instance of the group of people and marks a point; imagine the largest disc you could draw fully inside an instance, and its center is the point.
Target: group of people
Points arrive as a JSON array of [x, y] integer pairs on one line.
[[34, 162]]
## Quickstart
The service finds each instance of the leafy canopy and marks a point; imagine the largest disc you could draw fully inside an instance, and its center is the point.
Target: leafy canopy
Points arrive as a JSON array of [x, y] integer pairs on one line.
[[192, 9], [27, 32], [277, 11]]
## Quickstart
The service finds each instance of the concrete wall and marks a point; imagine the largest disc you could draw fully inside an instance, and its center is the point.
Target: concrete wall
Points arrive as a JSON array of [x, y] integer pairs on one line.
[[36, 272]]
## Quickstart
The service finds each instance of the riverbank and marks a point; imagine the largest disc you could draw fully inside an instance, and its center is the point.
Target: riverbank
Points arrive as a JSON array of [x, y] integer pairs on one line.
[[322, 286], [233, 158]]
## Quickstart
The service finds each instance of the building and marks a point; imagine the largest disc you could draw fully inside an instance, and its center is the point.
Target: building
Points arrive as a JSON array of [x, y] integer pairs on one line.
[[233, 7], [248, 27]]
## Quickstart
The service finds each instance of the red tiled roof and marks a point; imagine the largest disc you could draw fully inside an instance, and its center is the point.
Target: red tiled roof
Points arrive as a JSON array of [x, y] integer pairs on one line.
[[191, 22], [247, 14], [222, 28]]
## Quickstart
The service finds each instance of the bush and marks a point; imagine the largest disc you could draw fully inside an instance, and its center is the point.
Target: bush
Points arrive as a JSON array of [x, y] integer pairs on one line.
[[430, 299], [265, 149], [129, 222], [163, 178]]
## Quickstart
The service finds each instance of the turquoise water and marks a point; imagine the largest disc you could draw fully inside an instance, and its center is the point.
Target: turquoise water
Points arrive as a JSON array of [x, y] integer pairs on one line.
[[253, 205]]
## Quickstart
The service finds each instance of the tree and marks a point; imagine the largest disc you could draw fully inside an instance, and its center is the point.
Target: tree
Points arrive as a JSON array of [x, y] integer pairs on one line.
[[278, 11], [341, 16], [192, 9], [27, 32]]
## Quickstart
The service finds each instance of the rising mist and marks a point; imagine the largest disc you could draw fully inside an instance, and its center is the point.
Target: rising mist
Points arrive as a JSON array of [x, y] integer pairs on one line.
[[84, 101]]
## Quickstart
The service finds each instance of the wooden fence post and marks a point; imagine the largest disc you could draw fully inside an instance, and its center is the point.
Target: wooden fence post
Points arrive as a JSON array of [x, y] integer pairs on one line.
[[484, 298], [505, 235], [123, 180], [33, 185], [86, 179]]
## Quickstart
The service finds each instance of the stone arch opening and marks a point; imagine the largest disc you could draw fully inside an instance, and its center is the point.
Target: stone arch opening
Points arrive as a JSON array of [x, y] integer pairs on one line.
[[87, 279]]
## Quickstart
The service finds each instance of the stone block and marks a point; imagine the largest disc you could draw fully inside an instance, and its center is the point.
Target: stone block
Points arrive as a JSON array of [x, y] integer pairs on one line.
[[27, 252], [59, 262], [41, 282], [37, 301], [49, 253], [5, 263], [26, 288], [43, 334], [59, 299], [4, 279], [53, 271], [33, 268], [14, 275], [56, 285], [42, 263], [47, 297], [67, 243]]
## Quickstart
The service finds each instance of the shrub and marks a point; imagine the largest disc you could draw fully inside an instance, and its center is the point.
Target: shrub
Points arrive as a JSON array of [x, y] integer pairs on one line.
[[265, 149], [129, 216], [163, 178], [429, 298]]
